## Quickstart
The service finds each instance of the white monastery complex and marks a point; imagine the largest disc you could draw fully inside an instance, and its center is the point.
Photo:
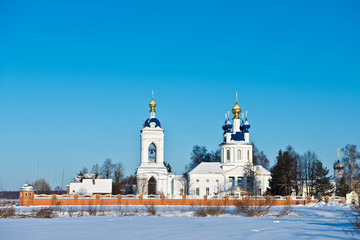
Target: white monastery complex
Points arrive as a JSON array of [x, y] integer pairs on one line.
[[232, 175]]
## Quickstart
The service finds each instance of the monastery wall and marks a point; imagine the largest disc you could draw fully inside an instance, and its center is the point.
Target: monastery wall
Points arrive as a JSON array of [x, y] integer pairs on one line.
[[53, 200]]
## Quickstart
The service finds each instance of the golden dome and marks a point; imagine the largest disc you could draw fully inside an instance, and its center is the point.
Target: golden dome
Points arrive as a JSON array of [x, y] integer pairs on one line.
[[236, 111], [152, 105]]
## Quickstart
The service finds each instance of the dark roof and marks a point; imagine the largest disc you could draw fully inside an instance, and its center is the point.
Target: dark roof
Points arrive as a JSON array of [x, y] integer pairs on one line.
[[238, 136], [338, 165], [150, 120]]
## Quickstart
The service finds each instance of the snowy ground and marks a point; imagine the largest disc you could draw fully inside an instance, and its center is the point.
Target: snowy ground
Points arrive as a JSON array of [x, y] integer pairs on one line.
[[314, 221]]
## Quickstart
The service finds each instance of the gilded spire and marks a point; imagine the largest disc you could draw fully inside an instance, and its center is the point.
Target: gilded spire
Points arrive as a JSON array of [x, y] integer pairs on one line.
[[152, 104], [236, 109], [338, 152]]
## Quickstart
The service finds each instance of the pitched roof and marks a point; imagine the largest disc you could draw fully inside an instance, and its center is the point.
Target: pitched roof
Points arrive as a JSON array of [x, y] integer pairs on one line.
[[261, 170], [208, 167]]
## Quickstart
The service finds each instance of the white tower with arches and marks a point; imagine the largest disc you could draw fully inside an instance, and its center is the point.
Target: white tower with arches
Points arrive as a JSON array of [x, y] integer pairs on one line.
[[152, 176]]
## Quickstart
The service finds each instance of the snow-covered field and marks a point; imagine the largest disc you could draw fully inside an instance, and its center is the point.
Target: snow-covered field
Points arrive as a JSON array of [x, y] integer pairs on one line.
[[314, 221]]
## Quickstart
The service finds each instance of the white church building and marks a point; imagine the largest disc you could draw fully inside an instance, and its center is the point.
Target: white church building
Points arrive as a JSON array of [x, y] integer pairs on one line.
[[234, 174]]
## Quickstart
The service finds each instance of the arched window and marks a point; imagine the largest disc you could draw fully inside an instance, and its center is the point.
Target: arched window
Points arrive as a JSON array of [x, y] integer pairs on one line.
[[248, 154], [228, 155], [238, 154], [152, 153]]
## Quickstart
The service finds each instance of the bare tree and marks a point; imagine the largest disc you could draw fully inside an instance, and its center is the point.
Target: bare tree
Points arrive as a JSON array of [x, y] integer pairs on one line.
[[259, 158], [83, 171], [107, 168], [350, 159], [117, 178], [41, 186], [183, 183], [95, 170], [306, 170]]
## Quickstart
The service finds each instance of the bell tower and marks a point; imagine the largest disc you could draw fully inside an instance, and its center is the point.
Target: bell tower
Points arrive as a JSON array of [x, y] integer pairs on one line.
[[152, 141], [152, 175], [338, 168]]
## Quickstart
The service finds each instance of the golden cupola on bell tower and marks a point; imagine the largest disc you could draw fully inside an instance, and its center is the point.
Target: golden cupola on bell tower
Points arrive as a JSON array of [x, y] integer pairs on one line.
[[152, 104]]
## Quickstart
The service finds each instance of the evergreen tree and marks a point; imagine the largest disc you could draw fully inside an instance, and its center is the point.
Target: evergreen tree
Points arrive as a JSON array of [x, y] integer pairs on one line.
[[284, 173], [320, 183], [342, 188], [168, 166], [200, 154]]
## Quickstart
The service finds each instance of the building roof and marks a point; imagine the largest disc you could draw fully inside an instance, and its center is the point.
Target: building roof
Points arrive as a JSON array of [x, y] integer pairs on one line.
[[27, 187], [208, 167], [216, 168], [261, 170], [338, 165], [238, 136]]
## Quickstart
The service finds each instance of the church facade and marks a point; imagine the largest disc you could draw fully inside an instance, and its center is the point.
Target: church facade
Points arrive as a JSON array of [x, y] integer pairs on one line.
[[235, 174]]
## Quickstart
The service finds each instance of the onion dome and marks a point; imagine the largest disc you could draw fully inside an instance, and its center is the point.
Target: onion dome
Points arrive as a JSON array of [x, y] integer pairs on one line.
[[224, 126], [338, 165], [242, 123], [227, 125], [152, 105], [27, 187], [236, 111], [152, 122], [246, 124]]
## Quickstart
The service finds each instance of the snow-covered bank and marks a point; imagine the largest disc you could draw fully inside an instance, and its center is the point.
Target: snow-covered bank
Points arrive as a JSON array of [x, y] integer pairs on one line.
[[317, 221]]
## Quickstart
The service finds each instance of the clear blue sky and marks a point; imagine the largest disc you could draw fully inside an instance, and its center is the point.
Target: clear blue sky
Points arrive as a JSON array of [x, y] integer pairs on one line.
[[76, 79]]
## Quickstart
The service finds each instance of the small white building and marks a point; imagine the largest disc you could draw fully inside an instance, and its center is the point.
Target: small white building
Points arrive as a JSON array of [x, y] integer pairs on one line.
[[87, 184]]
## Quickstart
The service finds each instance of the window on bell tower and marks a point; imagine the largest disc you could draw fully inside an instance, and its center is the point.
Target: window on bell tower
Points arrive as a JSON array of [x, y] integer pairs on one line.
[[238, 154], [152, 153], [228, 155]]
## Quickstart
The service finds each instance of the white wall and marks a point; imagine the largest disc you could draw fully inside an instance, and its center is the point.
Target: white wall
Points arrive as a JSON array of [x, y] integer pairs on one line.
[[206, 181], [91, 186], [156, 136]]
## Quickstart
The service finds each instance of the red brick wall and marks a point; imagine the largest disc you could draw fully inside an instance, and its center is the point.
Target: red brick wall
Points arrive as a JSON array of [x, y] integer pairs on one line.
[[75, 200]]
